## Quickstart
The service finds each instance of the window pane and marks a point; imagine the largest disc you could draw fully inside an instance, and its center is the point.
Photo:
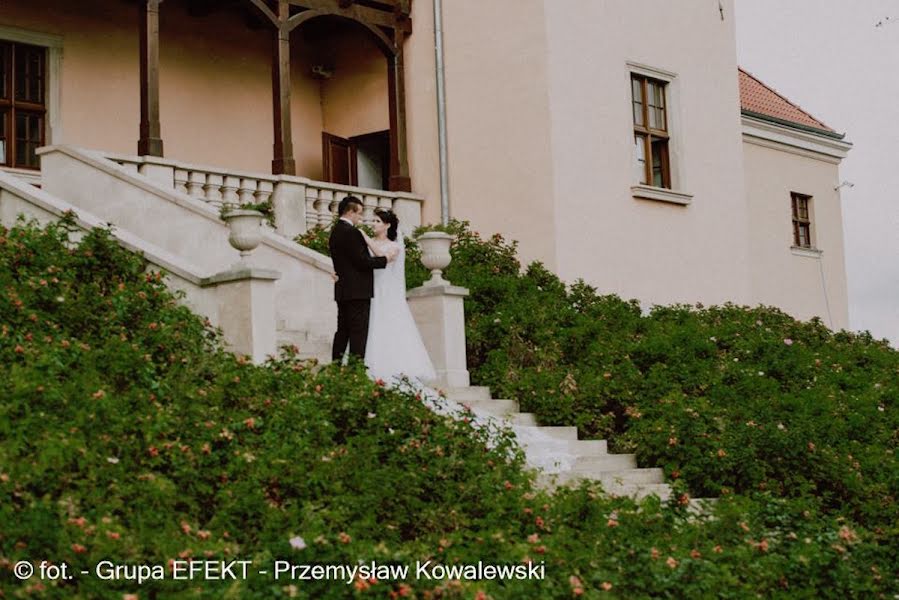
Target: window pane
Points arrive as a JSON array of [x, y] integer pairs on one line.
[[640, 154], [804, 237], [637, 91], [28, 139], [29, 74], [659, 162], [656, 105]]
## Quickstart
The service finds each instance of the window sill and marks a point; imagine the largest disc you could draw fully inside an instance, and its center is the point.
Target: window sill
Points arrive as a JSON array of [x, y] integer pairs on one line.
[[809, 252], [646, 192]]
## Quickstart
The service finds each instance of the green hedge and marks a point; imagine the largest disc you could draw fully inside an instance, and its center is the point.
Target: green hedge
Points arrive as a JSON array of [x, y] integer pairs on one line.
[[127, 433]]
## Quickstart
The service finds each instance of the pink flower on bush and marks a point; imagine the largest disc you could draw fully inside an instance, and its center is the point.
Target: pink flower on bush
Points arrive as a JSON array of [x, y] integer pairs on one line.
[[788, 341], [606, 586], [671, 562]]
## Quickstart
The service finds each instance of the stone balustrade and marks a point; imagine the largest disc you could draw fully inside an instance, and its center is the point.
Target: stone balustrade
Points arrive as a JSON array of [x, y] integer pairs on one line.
[[299, 203]]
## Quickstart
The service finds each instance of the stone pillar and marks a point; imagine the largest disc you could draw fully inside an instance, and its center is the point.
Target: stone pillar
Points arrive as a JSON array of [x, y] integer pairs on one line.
[[159, 171], [440, 316], [290, 206], [246, 310]]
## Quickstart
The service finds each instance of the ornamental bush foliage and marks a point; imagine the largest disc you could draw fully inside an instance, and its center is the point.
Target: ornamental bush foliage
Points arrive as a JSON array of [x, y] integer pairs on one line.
[[729, 400], [128, 433]]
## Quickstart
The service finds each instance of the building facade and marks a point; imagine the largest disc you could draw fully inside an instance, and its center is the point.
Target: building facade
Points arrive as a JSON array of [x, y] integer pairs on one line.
[[617, 141]]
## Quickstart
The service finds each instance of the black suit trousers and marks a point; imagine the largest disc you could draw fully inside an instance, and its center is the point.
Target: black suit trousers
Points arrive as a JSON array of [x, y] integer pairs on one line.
[[352, 327]]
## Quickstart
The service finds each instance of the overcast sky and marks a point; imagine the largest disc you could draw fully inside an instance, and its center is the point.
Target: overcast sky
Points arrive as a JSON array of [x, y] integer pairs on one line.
[[830, 58]]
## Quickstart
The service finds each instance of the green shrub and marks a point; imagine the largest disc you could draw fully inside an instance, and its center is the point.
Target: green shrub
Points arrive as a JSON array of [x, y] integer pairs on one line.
[[727, 399], [128, 433]]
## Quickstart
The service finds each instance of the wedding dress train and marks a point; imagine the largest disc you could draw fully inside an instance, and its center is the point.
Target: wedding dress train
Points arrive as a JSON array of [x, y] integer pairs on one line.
[[395, 348]]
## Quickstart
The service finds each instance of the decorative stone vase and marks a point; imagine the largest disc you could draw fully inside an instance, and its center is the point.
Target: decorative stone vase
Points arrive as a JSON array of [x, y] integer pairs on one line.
[[246, 229], [435, 255]]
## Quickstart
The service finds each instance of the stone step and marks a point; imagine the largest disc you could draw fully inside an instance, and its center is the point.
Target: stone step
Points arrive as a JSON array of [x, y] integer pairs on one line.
[[319, 349], [523, 419], [560, 432], [467, 394], [578, 447], [633, 476], [595, 466], [499, 408], [640, 491]]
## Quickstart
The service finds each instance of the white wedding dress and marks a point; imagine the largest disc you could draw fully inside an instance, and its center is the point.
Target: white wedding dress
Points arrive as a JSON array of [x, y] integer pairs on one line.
[[395, 348], [396, 354]]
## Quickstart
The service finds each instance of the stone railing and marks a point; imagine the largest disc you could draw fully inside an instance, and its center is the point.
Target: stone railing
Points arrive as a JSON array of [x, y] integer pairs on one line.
[[299, 203]]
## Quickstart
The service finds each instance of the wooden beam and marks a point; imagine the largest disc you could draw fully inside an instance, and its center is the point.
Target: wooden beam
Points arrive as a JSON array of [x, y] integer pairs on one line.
[[399, 153], [356, 12], [283, 162], [266, 11], [150, 141]]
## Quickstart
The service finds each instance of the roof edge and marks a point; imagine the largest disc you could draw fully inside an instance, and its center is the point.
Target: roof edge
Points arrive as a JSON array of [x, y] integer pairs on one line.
[[793, 125]]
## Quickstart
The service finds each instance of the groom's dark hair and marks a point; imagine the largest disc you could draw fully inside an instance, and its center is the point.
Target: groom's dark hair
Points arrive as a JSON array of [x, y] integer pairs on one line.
[[344, 206]]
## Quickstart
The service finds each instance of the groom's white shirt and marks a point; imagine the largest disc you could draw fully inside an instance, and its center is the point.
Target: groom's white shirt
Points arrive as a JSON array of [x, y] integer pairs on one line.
[[346, 221]]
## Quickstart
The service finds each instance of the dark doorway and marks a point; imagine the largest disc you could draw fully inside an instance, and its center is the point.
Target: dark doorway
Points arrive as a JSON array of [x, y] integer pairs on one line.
[[362, 160]]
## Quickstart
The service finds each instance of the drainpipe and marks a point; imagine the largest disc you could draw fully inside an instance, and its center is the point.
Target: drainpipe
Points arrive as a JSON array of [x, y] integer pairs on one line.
[[441, 112]]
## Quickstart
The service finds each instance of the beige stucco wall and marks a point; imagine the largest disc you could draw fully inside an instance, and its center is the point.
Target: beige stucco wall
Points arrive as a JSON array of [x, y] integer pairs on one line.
[[779, 277], [657, 252], [500, 172], [355, 100]]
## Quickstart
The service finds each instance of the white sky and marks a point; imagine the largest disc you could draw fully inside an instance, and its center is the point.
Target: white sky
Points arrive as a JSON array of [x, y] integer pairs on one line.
[[828, 57]]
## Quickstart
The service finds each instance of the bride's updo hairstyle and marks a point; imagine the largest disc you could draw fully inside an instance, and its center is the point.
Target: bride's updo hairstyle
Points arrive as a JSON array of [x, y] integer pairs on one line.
[[390, 219]]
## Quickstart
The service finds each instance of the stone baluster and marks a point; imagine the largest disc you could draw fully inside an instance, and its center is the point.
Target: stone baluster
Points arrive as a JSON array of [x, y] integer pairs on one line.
[[213, 187], [264, 191], [324, 207], [385, 202], [196, 181], [247, 192], [229, 189], [311, 210], [181, 179], [369, 204], [335, 203]]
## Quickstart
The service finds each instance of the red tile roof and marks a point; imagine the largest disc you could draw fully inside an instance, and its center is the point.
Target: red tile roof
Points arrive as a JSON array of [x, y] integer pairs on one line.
[[758, 98]]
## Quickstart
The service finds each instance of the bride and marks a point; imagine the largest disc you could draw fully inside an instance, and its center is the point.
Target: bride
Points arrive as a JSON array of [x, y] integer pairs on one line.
[[395, 347]]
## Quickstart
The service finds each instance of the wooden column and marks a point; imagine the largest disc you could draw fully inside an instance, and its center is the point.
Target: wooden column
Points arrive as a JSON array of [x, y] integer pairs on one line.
[[283, 162], [150, 142], [399, 152]]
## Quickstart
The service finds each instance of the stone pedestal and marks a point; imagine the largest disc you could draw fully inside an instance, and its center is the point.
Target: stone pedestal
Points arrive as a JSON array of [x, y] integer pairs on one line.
[[289, 204], [246, 310], [440, 317]]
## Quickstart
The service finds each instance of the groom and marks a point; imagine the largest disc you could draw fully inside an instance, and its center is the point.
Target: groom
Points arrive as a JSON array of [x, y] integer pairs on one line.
[[354, 287]]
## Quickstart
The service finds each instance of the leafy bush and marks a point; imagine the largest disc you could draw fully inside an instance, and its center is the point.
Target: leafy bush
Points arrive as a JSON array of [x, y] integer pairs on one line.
[[127, 433], [729, 400]]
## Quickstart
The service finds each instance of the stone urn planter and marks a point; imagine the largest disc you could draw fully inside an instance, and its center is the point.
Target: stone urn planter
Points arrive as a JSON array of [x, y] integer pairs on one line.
[[435, 255], [246, 229]]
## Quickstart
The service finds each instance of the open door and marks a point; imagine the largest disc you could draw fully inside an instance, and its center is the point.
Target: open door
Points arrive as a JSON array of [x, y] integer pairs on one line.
[[372, 159], [362, 160], [339, 159]]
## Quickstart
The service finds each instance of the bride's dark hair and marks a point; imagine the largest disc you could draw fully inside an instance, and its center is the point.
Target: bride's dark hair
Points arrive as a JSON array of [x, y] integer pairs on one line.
[[389, 218]]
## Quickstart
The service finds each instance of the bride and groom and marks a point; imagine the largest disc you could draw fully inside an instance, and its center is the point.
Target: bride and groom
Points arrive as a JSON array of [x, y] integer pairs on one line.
[[373, 317]]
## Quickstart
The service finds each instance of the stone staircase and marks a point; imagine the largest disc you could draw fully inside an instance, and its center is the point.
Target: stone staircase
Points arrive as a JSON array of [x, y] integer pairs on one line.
[[617, 473]]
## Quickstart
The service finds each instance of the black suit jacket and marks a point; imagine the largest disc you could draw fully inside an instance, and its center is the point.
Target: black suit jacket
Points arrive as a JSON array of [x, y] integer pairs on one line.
[[353, 263]]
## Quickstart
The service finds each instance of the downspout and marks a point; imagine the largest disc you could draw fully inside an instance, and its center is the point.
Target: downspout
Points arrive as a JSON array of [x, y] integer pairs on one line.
[[441, 113]]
